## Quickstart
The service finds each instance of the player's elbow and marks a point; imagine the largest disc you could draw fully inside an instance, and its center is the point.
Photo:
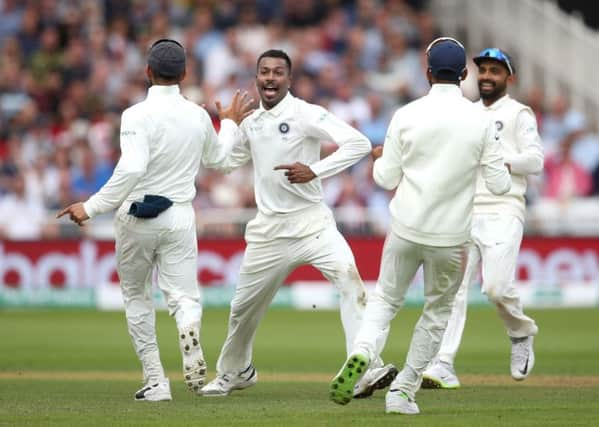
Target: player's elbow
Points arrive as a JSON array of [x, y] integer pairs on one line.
[[385, 185], [537, 165], [361, 147], [365, 146]]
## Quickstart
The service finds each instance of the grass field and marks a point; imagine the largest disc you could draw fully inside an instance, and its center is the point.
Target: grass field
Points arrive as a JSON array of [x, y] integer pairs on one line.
[[78, 368]]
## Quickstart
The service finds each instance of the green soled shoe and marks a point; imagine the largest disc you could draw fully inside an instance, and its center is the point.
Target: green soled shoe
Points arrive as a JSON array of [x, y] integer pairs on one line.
[[441, 376], [342, 386]]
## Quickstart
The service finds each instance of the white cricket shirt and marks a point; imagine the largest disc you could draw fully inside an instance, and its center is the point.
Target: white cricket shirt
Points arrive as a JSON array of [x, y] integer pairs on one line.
[[433, 150], [521, 147], [291, 131], [164, 139]]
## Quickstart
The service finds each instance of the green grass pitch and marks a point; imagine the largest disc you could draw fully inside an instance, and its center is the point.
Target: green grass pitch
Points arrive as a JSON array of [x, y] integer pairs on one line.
[[78, 368]]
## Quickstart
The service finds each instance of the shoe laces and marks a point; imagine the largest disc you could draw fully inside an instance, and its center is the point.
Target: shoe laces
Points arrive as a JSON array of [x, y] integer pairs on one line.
[[224, 379], [520, 351]]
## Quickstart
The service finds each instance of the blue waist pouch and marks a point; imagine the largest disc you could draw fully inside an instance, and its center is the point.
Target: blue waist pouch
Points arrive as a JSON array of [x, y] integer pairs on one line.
[[151, 207]]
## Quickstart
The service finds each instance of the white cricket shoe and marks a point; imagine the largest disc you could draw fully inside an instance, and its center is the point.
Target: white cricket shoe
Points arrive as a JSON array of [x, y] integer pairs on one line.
[[155, 392], [398, 402], [374, 379], [523, 357], [194, 365], [440, 375], [223, 385]]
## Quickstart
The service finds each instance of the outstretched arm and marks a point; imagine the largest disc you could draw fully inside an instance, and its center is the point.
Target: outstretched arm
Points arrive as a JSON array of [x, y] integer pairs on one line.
[[76, 213], [132, 165], [229, 149]]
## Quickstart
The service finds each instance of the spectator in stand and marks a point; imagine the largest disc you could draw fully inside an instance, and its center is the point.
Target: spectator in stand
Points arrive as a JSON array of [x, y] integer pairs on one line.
[[401, 70], [10, 163], [350, 206], [535, 98], [88, 175], [559, 121], [13, 96], [585, 144], [11, 14], [374, 125], [62, 65], [22, 214], [564, 177]]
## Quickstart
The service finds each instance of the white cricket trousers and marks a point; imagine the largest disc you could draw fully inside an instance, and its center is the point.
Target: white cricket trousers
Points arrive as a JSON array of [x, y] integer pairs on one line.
[[443, 269], [169, 244], [495, 241], [264, 268]]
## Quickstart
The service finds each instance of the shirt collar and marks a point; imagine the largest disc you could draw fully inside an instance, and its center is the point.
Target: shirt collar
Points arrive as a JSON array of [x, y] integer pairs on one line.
[[442, 88], [279, 108], [162, 90], [497, 104]]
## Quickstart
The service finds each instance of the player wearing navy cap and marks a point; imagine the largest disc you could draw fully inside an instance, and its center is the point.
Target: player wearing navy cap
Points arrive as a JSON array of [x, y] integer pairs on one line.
[[164, 141], [497, 225], [432, 153]]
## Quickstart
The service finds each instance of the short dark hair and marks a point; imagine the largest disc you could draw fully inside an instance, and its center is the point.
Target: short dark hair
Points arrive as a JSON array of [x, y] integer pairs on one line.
[[160, 78], [166, 59], [275, 53]]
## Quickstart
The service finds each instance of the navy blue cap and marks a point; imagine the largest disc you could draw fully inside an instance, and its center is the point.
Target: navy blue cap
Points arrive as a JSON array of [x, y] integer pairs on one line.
[[446, 58], [495, 54], [167, 58]]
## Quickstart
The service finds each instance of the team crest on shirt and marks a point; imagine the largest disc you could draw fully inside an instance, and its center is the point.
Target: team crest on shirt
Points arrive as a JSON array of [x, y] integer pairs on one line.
[[283, 127]]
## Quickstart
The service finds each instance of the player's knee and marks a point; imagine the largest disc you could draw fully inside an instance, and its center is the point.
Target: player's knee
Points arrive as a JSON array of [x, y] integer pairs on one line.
[[349, 283]]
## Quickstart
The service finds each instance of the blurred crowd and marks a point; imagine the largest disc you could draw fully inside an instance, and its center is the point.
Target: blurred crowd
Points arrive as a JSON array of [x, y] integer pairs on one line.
[[68, 68]]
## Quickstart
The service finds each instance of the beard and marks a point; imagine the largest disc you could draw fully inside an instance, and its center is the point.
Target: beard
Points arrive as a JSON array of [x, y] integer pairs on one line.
[[491, 95]]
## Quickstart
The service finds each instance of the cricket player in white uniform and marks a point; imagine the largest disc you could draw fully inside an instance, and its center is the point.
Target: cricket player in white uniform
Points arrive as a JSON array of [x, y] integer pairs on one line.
[[497, 226], [293, 226], [164, 140], [433, 151]]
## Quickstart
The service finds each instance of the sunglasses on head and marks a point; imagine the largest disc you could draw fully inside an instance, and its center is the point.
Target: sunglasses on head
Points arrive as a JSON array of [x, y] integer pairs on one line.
[[498, 55]]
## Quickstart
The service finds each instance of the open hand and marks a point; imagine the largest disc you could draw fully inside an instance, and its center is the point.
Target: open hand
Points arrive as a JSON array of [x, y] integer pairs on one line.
[[76, 213], [240, 108], [297, 173]]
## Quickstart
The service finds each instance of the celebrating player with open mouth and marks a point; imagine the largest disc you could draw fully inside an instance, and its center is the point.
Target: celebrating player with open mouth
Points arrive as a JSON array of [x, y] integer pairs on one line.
[[293, 226]]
